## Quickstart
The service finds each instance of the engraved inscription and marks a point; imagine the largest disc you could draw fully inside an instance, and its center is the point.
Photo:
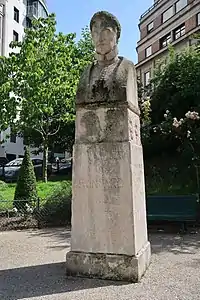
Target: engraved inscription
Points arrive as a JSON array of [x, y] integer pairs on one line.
[[99, 183]]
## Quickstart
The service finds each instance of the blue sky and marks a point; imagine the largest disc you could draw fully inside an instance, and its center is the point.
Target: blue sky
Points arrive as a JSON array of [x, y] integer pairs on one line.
[[72, 15]]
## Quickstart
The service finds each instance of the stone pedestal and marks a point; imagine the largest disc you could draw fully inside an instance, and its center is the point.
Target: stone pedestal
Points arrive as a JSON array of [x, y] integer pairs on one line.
[[109, 230]]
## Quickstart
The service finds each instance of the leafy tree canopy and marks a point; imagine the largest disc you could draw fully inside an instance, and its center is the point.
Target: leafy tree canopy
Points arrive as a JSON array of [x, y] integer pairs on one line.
[[46, 72]]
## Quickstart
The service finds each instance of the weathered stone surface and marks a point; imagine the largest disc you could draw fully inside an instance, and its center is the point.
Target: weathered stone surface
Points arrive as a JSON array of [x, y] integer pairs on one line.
[[108, 20], [109, 266], [109, 83], [109, 230], [107, 124], [104, 205]]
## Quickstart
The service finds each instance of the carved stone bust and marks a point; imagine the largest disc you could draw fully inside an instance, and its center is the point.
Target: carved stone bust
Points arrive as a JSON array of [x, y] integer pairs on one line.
[[110, 78]]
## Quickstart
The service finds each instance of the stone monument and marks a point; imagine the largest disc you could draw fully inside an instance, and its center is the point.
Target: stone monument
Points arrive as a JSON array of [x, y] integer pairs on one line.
[[109, 230]]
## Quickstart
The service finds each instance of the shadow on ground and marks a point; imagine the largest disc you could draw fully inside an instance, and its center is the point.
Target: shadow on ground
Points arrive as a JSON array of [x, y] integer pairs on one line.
[[61, 235], [163, 239], [50, 279], [43, 280], [171, 240]]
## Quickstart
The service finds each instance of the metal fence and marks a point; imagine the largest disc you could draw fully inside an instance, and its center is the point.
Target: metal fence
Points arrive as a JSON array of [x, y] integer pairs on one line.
[[21, 214]]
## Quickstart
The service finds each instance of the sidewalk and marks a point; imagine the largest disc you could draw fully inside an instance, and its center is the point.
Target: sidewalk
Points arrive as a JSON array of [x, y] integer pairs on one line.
[[32, 267]]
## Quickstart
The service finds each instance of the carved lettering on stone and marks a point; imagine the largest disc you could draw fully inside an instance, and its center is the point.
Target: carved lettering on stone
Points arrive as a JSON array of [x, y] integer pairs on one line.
[[99, 183]]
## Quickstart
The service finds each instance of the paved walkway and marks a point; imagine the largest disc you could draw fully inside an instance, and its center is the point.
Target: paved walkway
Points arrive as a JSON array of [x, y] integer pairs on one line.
[[32, 267]]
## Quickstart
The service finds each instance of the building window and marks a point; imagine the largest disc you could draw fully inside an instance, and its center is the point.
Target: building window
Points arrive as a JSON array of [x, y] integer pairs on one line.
[[41, 11], [16, 14], [150, 27], [15, 36], [28, 23], [166, 40], [180, 5], [148, 51], [146, 78], [179, 31], [168, 14], [198, 19]]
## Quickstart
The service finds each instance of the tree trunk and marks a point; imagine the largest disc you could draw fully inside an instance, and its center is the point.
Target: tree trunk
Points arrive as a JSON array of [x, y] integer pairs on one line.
[[45, 160]]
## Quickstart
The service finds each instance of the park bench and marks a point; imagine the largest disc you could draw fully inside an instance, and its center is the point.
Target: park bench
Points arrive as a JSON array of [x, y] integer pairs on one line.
[[183, 209]]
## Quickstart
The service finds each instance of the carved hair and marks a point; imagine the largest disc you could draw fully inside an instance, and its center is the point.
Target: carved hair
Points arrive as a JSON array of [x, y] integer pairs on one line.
[[109, 21]]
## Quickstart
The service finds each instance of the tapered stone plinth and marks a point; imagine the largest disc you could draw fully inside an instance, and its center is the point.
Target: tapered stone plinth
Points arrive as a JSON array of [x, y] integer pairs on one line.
[[109, 230]]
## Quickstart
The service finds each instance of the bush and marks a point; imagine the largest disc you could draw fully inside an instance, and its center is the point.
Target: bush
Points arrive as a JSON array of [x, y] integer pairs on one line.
[[1, 197], [57, 208], [26, 184], [2, 185]]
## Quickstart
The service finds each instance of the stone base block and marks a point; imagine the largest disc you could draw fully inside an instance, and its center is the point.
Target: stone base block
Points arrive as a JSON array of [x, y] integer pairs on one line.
[[109, 266]]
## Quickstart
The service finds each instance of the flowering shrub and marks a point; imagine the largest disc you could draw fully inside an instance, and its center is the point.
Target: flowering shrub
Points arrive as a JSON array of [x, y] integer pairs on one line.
[[145, 108], [171, 113], [29, 209]]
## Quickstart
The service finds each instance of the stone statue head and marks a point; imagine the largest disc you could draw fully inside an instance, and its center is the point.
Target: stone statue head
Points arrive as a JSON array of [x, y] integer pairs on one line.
[[105, 30]]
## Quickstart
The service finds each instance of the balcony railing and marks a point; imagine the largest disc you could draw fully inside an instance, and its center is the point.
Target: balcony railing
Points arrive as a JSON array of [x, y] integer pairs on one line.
[[150, 9], [32, 12]]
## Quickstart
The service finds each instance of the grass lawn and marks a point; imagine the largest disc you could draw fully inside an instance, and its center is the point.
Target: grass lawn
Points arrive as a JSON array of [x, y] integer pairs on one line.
[[44, 190]]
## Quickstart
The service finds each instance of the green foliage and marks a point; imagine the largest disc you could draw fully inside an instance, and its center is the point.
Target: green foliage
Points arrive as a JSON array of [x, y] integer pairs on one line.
[[8, 103], [174, 91], [3, 185], [26, 184], [166, 175], [57, 209], [85, 48], [64, 140], [176, 85], [174, 121], [47, 70]]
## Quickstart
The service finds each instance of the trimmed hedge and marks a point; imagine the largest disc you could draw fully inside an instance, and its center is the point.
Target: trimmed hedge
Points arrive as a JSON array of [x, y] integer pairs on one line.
[[26, 183]]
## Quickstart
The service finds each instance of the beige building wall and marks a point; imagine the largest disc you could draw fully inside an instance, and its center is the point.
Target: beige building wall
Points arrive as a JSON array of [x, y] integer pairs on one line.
[[189, 16], [10, 28]]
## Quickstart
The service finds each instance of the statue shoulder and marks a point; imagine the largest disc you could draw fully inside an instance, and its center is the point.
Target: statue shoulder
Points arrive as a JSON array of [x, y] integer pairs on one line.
[[83, 84], [127, 64], [126, 70], [85, 74]]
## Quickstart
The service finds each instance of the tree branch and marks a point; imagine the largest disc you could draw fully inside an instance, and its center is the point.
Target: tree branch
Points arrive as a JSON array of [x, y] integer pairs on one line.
[[41, 132], [51, 134]]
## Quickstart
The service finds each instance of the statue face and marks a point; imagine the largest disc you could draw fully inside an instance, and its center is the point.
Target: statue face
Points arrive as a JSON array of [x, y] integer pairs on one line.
[[104, 37]]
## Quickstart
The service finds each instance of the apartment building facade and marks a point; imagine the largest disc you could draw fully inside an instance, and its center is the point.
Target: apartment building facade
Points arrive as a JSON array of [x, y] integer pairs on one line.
[[15, 16], [167, 21]]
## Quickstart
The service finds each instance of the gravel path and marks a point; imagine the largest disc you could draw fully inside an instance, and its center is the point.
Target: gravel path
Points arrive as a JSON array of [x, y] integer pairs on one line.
[[32, 267]]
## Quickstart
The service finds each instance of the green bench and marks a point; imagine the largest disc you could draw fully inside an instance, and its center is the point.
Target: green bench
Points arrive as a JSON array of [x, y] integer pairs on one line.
[[182, 209]]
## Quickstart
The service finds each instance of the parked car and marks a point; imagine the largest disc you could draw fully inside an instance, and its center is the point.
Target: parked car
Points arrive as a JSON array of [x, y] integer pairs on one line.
[[63, 167], [11, 169]]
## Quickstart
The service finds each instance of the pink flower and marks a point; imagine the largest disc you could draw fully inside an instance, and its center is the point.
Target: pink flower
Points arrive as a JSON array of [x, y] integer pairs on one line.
[[188, 133], [193, 115], [177, 123]]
